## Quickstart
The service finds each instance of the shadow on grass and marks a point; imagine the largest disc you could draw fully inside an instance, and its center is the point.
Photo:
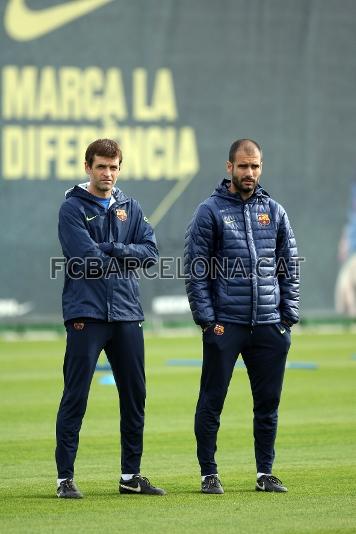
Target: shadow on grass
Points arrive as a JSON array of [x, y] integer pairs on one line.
[[117, 495]]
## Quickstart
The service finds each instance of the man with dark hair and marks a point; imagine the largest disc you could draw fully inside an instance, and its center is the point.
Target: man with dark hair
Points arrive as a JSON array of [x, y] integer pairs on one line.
[[103, 147], [104, 237], [242, 304]]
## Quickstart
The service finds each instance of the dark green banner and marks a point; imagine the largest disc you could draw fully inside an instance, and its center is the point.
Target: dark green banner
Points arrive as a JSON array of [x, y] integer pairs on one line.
[[175, 82]]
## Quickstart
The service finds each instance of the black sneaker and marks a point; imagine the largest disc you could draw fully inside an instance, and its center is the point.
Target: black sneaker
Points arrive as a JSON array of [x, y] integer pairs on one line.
[[212, 484], [68, 490], [140, 485], [270, 483]]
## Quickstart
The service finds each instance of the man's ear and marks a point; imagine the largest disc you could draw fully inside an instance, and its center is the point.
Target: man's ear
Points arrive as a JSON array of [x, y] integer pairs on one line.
[[86, 167], [229, 167]]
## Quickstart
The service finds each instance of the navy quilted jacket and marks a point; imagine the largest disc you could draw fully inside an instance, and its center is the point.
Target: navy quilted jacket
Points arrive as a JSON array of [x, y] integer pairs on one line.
[[232, 251], [86, 230]]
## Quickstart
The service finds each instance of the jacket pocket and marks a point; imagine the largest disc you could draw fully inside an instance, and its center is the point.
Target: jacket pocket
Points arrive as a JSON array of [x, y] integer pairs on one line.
[[282, 328]]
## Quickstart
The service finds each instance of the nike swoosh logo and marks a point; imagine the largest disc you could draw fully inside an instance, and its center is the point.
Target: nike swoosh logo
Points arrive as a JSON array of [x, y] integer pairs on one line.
[[261, 486], [90, 218], [136, 490], [24, 24]]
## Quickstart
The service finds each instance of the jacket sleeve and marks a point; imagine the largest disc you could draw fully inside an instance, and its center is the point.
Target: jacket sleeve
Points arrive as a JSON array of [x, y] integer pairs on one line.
[[74, 237], [198, 251], [142, 251], [287, 271]]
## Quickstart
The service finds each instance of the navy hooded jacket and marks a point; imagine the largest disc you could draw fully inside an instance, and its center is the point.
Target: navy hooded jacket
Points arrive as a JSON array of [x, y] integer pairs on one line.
[[232, 250], [107, 239]]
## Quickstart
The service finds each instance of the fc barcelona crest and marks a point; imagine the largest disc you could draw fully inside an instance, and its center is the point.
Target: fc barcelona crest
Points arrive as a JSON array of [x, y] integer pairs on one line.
[[121, 215], [219, 329], [263, 218]]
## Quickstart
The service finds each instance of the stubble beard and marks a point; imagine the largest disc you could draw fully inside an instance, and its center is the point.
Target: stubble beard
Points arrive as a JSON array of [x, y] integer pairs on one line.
[[241, 188], [104, 187], [100, 186]]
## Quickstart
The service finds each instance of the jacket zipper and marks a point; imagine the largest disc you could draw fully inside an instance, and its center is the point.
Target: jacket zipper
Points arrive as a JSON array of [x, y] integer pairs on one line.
[[252, 250]]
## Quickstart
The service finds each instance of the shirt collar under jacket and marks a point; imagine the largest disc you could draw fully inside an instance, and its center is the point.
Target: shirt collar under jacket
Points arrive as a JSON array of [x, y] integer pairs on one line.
[[81, 190]]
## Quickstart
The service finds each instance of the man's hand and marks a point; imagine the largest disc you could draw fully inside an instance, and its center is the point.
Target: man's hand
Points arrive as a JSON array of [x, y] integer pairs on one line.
[[206, 326], [286, 322]]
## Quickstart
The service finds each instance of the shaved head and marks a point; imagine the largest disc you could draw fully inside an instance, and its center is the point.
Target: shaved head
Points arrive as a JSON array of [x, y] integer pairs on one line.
[[248, 146]]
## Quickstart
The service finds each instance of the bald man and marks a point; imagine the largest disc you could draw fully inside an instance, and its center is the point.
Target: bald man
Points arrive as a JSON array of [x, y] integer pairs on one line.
[[243, 289]]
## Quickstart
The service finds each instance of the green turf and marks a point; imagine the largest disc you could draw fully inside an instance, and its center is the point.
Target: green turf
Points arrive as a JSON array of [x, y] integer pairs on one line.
[[316, 446]]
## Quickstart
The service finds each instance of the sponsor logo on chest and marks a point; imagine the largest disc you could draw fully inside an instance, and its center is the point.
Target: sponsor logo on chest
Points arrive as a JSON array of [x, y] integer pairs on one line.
[[229, 219]]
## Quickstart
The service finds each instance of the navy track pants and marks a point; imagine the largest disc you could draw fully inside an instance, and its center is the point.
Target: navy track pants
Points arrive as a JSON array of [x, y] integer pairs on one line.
[[124, 346], [264, 350]]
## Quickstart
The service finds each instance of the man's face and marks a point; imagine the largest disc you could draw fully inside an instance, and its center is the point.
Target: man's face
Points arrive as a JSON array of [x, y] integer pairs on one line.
[[103, 175], [245, 172]]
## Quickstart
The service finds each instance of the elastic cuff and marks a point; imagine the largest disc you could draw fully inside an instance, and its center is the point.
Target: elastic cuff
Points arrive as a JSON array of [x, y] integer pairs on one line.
[[106, 247]]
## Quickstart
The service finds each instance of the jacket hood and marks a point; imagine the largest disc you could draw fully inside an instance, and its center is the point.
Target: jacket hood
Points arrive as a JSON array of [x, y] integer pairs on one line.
[[81, 191], [223, 191]]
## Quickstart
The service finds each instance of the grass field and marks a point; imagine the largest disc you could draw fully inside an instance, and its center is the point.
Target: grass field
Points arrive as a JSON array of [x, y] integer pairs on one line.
[[316, 446]]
